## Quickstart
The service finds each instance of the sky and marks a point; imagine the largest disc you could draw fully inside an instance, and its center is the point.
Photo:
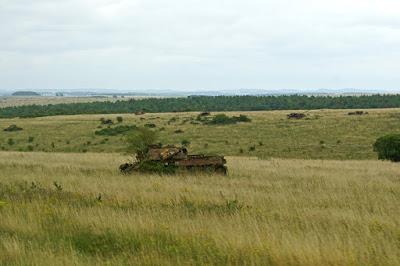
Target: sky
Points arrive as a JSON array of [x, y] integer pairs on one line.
[[199, 44]]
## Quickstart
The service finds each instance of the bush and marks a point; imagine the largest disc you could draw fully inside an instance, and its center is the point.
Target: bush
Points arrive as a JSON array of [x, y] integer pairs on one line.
[[30, 139], [12, 128], [114, 131], [185, 143], [10, 142], [119, 119], [388, 147], [150, 125], [104, 121], [139, 141], [222, 119]]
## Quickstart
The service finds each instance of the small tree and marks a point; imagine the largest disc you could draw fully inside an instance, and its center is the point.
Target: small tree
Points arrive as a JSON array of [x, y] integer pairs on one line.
[[139, 141], [119, 119], [388, 147]]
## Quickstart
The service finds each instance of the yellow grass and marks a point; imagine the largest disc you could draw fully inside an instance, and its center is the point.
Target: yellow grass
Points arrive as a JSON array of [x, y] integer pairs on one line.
[[278, 212]]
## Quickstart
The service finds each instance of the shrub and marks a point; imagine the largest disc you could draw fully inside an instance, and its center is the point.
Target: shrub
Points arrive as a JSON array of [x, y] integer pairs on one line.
[[388, 147], [139, 141], [30, 148], [222, 119], [119, 119], [12, 128], [30, 139], [252, 148], [185, 143], [150, 125], [106, 121], [178, 131], [114, 131], [10, 142]]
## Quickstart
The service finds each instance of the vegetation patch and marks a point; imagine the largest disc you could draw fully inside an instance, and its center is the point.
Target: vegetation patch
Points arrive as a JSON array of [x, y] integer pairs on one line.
[[114, 131], [12, 128], [104, 121], [222, 119], [388, 147]]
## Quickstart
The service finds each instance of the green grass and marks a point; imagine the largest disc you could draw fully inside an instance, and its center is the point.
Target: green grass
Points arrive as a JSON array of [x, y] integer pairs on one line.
[[265, 212], [324, 134]]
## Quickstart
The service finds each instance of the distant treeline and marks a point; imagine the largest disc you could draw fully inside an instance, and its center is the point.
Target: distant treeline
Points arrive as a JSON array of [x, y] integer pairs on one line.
[[206, 103]]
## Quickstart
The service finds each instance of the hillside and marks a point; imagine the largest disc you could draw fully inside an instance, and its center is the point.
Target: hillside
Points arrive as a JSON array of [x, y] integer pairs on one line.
[[25, 93], [323, 134]]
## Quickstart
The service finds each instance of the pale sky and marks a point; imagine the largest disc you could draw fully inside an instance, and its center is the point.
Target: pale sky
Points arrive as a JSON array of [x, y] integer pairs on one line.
[[199, 44]]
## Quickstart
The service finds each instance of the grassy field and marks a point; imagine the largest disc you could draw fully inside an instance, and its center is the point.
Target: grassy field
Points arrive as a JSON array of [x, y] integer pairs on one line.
[[324, 134], [76, 209]]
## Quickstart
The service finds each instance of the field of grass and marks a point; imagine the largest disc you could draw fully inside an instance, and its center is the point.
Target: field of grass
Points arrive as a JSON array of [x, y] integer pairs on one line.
[[76, 209], [324, 134]]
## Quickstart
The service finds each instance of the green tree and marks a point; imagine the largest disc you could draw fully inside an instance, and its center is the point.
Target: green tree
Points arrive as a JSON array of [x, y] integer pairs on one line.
[[139, 141], [388, 147]]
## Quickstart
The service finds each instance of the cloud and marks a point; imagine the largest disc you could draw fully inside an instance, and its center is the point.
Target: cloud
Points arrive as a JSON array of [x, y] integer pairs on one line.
[[199, 44]]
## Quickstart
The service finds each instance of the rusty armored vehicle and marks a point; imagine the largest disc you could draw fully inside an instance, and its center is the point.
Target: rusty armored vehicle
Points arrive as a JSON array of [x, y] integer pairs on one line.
[[173, 158]]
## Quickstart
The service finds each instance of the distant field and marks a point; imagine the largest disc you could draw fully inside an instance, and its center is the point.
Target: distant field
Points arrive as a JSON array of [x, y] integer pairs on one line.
[[324, 134], [273, 212], [44, 100]]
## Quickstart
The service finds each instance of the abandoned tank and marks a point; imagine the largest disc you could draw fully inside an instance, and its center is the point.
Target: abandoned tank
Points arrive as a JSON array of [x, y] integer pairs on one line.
[[168, 159]]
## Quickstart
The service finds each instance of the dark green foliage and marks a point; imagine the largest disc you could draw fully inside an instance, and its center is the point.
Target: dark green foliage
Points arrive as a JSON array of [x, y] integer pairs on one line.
[[13, 128], [222, 119], [241, 150], [388, 147], [114, 131], [30, 139], [119, 119], [150, 125], [178, 131], [52, 145], [185, 142], [10, 142], [29, 148], [252, 148], [104, 121], [211, 103]]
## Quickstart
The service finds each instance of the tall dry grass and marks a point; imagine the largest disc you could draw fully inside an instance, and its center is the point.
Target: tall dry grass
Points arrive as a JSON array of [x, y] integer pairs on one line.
[[277, 212]]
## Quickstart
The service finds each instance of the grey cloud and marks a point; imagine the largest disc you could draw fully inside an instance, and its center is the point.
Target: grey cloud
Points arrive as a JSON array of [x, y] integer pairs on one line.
[[198, 44]]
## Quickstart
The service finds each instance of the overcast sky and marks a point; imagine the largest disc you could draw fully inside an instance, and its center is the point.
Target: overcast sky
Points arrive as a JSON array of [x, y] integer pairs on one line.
[[199, 44]]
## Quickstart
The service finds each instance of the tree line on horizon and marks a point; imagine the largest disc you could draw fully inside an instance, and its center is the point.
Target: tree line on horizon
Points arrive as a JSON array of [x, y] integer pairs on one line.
[[206, 103]]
